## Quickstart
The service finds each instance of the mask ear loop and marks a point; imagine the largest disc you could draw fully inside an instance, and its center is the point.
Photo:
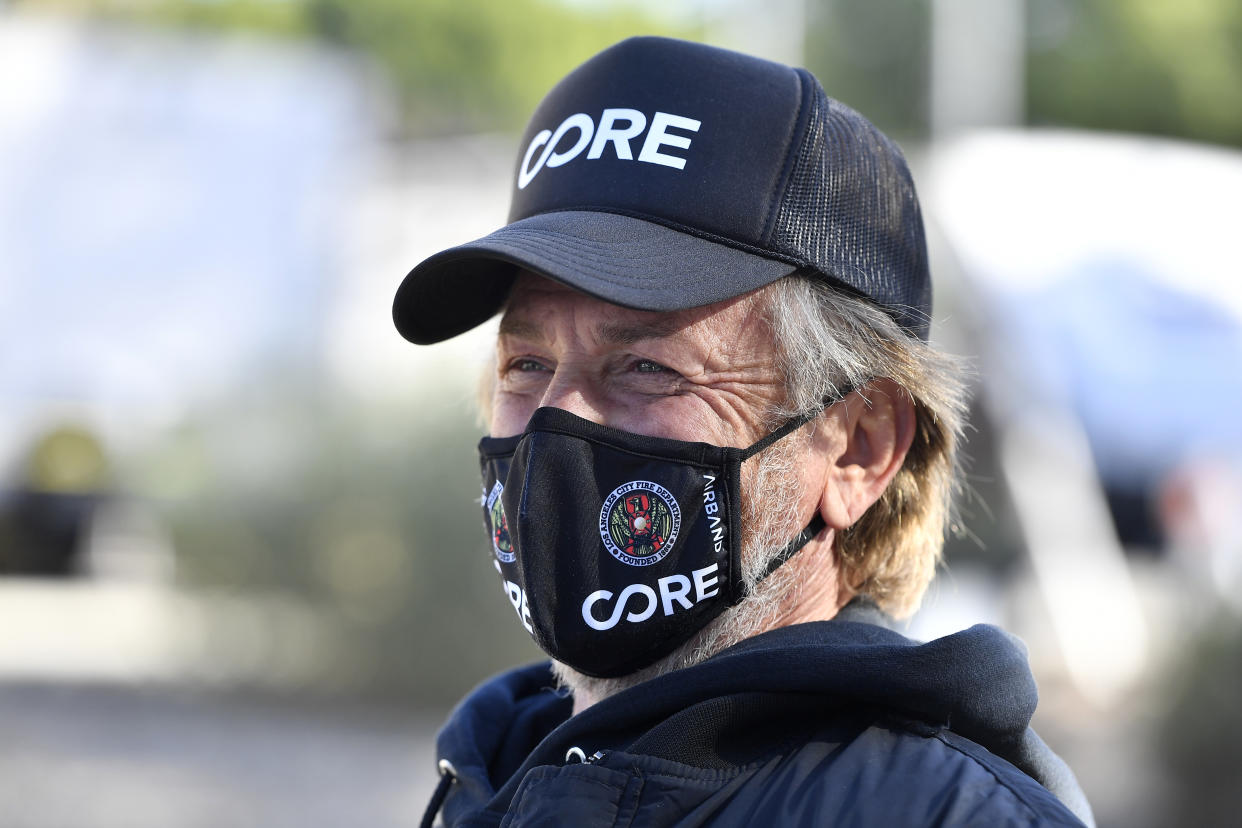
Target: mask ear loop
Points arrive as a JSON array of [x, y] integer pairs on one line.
[[793, 547], [817, 522], [798, 422]]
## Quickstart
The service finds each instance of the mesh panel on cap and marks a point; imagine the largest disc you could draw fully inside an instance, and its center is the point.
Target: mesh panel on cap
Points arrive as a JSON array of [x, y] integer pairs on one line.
[[850, 209]]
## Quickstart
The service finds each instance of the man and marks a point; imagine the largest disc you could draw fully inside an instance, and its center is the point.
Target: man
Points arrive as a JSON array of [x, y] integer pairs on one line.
[[720, 457]]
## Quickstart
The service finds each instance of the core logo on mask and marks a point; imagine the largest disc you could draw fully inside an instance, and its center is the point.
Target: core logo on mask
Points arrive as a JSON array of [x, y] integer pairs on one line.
[[501, 544], [638, 522]]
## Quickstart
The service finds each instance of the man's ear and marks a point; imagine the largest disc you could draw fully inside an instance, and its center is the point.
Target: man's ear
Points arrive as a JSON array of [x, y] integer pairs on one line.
[[869, 434]]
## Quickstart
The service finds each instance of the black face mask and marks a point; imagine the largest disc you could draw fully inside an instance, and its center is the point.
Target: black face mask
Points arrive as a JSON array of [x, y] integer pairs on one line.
[[617, 548]]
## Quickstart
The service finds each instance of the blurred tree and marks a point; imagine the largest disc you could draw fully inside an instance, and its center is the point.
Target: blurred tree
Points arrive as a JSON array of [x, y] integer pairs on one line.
[[1148, 66], [457, 66], [873, 55], [469, 65]]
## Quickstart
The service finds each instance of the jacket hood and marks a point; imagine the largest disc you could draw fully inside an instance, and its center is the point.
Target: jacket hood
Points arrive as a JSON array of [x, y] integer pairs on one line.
[[975, 682]]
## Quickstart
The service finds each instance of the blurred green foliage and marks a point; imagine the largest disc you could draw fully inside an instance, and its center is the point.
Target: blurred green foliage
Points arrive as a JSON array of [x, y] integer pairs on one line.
[[1145, 66], [873, 55], [1150, 66], [456, 66], [464, 65]]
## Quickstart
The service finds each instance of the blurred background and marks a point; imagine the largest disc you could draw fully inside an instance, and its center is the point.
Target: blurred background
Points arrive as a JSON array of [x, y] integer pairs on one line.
[[242, 571]]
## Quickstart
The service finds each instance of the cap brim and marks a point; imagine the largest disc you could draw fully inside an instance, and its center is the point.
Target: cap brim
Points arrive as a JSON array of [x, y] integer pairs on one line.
[[623, 260]]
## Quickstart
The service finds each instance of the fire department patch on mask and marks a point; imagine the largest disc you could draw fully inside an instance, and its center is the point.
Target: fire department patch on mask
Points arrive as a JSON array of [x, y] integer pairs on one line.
[[499, 525], [638, 522]]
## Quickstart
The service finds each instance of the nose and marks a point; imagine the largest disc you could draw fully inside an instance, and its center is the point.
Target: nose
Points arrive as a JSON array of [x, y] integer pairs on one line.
[[575, 393]]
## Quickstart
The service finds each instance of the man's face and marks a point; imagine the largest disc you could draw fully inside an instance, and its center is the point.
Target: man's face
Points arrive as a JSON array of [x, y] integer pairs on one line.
[[707, 374]]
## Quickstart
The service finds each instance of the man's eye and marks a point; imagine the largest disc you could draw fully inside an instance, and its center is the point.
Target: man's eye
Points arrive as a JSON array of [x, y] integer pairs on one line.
[[526, 365], [646, 366]]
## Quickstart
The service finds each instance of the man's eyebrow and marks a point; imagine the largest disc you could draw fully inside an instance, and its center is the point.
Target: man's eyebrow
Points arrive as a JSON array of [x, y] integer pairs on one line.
[[519, 326], [627, 333], [615, 333]]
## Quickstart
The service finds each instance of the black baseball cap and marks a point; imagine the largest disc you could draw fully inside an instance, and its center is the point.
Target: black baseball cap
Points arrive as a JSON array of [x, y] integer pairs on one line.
[[664, 175]]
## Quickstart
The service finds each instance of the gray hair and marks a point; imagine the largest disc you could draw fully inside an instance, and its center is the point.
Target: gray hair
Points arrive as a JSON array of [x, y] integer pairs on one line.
[[828, 340]]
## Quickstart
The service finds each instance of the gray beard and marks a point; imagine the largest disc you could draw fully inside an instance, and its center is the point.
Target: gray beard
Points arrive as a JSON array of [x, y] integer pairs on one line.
[[769, 519]]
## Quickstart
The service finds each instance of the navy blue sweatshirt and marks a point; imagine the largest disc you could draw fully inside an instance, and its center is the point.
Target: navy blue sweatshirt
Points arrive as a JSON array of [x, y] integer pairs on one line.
[[841, 722]]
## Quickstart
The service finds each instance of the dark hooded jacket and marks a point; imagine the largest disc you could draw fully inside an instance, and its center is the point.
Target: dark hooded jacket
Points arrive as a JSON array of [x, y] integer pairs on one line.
[[839, 722]]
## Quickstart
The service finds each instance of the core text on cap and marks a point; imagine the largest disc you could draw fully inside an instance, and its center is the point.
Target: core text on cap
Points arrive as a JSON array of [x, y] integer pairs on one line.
[[617, 127]]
